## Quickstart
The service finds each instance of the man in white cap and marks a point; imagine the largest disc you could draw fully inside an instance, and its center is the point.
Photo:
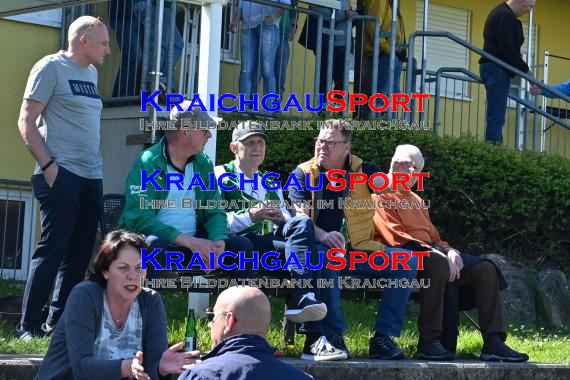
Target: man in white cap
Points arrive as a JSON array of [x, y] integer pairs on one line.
[[287, 235], [181, 229]]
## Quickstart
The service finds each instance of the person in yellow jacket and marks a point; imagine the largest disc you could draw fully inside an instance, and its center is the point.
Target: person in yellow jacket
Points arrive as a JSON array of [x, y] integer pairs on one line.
[[383, 9]]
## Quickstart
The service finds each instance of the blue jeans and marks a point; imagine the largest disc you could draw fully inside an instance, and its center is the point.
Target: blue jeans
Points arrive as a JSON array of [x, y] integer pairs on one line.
[[299, 234], [127, 31], [392, 307], [497, 83], [281, 62], [258, 45], [384, 72], [140, 10]]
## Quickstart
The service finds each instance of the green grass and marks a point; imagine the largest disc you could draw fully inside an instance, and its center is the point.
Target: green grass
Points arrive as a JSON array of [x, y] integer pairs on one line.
[[543, 344]]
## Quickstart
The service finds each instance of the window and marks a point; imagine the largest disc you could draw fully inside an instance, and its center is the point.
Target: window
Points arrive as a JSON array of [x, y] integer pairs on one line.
[[442, 52], [17, 222]]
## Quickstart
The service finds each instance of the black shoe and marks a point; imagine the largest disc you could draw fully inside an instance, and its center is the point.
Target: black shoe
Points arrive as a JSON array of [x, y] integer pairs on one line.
[[305, 308], [338, 341], [383, 347], [501, 352], [322, 350], [433, 351]]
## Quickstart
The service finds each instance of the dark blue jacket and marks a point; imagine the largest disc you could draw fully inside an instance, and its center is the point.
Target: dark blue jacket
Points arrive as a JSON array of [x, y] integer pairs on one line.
[[243, 357]]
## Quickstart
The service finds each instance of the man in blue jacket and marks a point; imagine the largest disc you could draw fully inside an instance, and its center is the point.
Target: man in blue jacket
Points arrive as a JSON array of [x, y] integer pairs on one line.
[[238, 327], [564, 88]]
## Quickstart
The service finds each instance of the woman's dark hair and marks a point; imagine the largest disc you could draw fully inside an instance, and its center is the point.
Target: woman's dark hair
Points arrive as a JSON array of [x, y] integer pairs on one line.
[[109, 251]]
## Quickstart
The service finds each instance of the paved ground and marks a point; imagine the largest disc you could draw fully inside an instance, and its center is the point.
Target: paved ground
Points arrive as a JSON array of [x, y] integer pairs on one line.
[[25, 367]]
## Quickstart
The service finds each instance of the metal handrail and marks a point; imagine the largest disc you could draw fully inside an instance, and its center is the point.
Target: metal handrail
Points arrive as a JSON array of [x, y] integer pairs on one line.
[[494, 60]]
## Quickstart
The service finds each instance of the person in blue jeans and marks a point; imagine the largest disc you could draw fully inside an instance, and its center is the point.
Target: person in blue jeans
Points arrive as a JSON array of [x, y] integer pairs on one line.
[[127, 32], [503, 37], [308, 39], [140, 11], [287, 28], [259, 41], [333, 151], [276, 231], [383, 9]]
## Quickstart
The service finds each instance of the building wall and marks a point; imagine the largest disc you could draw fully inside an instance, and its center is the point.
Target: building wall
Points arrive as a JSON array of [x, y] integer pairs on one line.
[[22, 45]]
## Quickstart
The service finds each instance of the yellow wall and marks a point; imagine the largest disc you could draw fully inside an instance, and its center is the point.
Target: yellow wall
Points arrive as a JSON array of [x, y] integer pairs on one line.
[[22, 44]]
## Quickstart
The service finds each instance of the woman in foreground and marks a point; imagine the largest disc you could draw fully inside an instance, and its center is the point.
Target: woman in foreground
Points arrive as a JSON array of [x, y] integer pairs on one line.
[[111, 327]]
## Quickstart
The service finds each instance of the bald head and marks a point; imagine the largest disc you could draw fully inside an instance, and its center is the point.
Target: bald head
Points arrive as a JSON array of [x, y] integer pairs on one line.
[[250, 308], [88, 41], [84, 25]]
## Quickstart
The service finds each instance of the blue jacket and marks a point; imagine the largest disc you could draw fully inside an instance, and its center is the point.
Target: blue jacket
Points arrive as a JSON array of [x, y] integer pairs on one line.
[[562, 87], [243, 357]]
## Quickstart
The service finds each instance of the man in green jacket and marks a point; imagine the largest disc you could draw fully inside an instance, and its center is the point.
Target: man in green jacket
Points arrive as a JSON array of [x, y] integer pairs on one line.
[[179, 228]]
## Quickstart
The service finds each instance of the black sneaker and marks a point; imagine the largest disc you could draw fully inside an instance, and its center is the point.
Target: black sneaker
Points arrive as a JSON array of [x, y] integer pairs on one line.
[[305, 308], [383, 347], [338, 341], [501, 352], [322, 350], [433, 350]]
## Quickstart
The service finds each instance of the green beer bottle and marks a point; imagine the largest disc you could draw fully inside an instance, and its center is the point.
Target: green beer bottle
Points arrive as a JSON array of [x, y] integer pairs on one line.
[[344, 232], [191, 340], [267, 227]]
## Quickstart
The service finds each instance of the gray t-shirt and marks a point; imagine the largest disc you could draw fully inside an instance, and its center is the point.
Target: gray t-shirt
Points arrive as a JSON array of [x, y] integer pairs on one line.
[[70, 122]]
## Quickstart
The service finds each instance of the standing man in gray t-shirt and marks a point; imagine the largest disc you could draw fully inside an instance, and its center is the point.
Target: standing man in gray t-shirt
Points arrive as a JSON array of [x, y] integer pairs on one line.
[[62, 92]]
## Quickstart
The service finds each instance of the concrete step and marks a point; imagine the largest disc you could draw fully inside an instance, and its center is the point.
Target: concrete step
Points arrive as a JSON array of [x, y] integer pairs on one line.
[[26, 366]]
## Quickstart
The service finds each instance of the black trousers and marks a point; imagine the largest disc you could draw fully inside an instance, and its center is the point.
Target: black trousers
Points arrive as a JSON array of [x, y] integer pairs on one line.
[[70, 212]]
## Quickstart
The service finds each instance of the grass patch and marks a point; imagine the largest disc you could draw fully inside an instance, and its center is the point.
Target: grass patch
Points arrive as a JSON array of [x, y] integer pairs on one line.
[[542, 344]]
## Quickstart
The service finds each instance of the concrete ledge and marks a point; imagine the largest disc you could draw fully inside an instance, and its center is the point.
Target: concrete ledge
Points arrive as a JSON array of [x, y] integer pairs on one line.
[[26, 366]]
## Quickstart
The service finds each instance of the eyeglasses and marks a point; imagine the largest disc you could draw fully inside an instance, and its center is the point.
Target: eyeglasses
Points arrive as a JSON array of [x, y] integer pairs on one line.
[[211, 314], [329, 143], [98, 19]]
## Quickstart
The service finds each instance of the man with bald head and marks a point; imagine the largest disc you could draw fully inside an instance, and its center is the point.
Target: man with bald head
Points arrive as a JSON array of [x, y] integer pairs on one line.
[[238, 327], [62, 92]]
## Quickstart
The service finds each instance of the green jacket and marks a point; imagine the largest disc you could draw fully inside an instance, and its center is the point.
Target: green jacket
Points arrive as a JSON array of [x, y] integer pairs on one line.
[[210, 222], [238, 194]]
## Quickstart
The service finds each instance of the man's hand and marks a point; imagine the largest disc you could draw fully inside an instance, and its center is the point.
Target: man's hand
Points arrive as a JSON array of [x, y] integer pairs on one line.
[[535, 90], [292, 32], [203, 246], [276, 217], [403, 165], [233, 26], [350, 13], [455, 264], [258, 213], [174, 362], [50, 174], [268, 20], [333, 239]]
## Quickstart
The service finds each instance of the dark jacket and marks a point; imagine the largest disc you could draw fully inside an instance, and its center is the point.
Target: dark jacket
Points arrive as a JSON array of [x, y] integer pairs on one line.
[[243, 357], [503, 37], [70, 353]]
